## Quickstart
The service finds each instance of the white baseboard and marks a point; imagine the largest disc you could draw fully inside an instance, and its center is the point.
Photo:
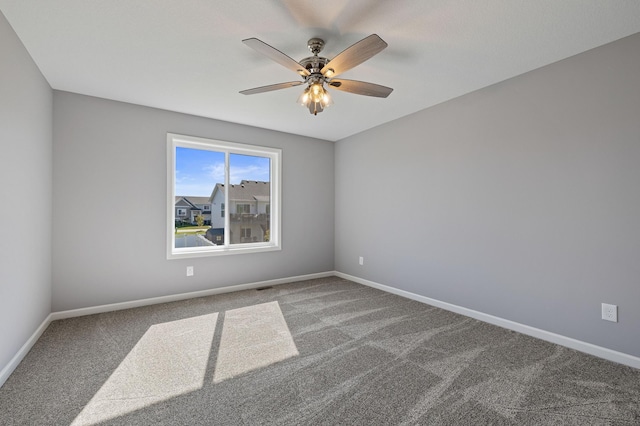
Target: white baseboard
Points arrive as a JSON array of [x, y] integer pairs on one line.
[[182, 296], [578, 345], [24, 350], [19, 356], [568, 342]]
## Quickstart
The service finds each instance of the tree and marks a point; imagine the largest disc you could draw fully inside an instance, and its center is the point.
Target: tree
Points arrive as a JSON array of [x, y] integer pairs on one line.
[[200, 220]]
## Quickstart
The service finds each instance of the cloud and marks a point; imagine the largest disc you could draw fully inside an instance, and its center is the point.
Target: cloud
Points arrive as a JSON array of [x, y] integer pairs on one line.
[[238, 173], [250, 172], [197, 189], [183, 178], [216, 171]]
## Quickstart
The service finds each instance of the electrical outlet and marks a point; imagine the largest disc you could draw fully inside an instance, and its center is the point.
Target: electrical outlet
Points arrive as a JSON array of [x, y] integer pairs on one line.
[[361, 260], [609, 312], [189, 271]]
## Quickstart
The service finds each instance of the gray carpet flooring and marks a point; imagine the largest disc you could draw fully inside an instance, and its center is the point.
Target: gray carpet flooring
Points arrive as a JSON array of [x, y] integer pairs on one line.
[[318, 352]]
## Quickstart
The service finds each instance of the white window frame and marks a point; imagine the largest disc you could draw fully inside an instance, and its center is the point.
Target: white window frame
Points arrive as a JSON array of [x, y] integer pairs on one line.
[[274, 155]]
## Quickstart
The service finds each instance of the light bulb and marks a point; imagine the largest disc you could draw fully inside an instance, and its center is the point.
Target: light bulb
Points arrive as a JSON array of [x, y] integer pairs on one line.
[[326, 99], [304, 98], [316, 98], [317, 91]]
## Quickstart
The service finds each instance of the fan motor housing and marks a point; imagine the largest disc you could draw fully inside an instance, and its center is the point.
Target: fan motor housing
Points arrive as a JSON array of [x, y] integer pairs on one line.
[[314, 64]]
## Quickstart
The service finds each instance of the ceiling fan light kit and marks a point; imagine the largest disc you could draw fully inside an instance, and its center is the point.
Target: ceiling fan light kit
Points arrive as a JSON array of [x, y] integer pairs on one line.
[[316, 98], [316, 71]]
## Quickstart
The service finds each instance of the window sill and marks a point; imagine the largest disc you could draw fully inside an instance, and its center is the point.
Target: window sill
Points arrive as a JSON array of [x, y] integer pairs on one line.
[[192, 252]]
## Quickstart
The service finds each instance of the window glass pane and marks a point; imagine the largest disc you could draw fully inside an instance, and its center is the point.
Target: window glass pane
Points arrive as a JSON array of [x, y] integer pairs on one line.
[[195, 176], [250, 194]]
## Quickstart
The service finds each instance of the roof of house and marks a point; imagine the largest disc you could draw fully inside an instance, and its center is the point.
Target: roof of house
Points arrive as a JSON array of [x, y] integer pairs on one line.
[[197, 200], [246, 190], [191, 202], [184, 202]]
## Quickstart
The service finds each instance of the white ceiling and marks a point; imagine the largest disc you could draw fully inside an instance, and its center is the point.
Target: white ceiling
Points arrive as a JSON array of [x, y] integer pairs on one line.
[[187, 55]]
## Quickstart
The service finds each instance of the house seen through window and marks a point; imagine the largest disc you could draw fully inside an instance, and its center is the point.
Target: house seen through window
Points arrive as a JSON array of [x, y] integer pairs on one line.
[[205, 176]]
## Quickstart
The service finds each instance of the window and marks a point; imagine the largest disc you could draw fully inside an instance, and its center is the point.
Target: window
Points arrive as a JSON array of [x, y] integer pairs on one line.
[[243, 208], [242, 176]]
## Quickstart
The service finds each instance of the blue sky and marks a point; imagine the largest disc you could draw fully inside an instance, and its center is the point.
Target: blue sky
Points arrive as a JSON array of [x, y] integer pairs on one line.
[[197, 171]]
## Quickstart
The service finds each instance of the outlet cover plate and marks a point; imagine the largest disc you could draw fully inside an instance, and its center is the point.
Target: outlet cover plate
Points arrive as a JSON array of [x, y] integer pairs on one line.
[[189, 271], [609, 312]]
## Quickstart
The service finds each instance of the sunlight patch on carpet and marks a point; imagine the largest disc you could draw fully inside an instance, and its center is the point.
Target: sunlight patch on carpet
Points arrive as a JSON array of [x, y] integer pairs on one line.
[[169, 360], [253, 337]]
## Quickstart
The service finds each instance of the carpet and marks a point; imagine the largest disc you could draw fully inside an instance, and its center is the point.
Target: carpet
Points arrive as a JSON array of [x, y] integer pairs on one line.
[[319, 352]]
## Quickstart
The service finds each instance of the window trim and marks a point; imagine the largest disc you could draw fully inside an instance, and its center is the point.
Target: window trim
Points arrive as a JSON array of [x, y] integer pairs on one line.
[[274, 154]]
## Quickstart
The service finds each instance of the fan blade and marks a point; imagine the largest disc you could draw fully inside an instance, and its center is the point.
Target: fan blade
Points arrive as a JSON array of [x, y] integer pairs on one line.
[[276, 55], [361, 88], [354, 55], [271, 87]]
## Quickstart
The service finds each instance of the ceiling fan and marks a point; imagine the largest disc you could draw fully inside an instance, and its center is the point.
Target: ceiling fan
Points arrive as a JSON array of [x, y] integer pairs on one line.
[[316, 71]]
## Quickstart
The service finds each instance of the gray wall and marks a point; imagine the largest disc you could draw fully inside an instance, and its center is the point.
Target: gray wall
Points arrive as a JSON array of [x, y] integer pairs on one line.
[[109, 209], [521, 200], [25, 191]]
